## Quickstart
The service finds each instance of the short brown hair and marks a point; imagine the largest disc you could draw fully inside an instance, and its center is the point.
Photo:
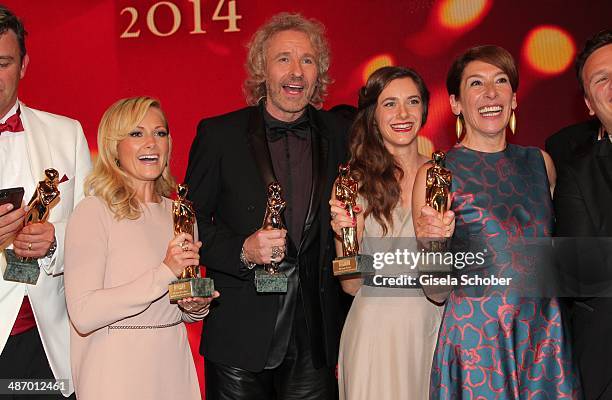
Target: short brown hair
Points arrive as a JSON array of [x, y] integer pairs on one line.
[[490, 54], [255, 84], [599, 40], [9, 21]]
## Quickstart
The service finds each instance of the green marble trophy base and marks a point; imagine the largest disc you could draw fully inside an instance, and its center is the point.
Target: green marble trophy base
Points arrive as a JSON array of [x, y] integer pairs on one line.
[[267, 282], [358, 264], [438, 246], [22, 270], [436, 264], [191, 287]]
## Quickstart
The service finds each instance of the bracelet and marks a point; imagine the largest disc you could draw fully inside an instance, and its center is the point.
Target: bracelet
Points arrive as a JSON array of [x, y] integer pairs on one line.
[[244, 261], [52, 249]]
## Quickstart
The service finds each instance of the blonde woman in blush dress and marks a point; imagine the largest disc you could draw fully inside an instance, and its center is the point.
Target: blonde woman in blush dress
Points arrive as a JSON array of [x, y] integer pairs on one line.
[[127, 340], [389, 336]]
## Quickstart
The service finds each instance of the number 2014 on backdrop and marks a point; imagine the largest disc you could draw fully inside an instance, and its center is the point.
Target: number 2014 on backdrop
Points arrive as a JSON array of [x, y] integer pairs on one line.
[[133, 29]]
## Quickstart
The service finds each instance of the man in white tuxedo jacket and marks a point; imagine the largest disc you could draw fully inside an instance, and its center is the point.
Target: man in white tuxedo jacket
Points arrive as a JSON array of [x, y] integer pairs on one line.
[[34, 327]]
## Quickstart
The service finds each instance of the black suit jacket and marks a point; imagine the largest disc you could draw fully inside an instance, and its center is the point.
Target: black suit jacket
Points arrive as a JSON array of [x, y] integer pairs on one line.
[[570, 141], [227, 179], [583, 208]]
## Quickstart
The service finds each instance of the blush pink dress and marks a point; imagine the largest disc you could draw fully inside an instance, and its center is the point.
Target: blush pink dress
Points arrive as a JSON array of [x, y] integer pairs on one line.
[[127, 340]]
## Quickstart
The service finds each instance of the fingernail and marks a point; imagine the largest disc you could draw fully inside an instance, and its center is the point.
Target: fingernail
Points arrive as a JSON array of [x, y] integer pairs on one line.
[[9, 207]]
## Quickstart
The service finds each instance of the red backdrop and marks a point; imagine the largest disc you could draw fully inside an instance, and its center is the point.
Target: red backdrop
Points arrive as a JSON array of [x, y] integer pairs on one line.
[[80, 63]]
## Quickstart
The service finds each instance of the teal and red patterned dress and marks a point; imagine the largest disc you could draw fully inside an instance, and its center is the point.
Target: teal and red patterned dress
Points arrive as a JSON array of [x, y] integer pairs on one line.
[[501, 346]]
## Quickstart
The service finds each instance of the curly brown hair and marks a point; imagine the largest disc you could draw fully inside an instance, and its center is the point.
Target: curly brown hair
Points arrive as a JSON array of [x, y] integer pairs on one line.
[[371, 163], [255, 84]]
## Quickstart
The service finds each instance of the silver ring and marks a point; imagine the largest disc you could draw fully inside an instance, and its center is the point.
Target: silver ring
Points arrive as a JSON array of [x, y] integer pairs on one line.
[[184, 246], [333, 215], [276, 252]]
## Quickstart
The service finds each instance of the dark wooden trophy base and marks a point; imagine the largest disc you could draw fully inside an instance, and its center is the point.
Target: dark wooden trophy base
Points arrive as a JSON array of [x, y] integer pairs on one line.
[[191, 287], [269, 282], [19, 269], [358, 264]]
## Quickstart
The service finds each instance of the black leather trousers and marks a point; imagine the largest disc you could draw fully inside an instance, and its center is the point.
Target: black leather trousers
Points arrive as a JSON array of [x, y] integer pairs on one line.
[[295, 378]]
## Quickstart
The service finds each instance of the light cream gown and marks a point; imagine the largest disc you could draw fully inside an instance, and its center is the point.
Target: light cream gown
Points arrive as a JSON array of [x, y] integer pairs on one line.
[[115, 278], [389, 337]]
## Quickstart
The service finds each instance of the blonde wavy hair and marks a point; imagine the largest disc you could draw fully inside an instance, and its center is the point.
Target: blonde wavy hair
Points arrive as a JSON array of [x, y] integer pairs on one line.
[[255, 84], [107, 180]]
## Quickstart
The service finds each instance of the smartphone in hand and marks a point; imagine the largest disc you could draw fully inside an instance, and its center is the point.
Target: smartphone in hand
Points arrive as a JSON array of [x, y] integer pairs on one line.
[[13, 196]]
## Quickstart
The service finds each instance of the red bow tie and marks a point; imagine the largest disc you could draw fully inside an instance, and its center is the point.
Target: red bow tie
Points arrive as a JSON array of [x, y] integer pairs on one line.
[[12, 124]]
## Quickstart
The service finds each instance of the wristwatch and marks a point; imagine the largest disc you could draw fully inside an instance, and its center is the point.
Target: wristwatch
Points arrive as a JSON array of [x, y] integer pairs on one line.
[[244, 261]]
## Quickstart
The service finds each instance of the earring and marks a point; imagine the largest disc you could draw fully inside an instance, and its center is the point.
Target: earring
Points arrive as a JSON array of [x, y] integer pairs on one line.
[[512, 123], [458, 127], [117, 162]]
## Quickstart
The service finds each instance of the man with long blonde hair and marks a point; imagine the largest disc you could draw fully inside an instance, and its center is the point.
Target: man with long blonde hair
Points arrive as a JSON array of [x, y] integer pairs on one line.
[[272, 345]]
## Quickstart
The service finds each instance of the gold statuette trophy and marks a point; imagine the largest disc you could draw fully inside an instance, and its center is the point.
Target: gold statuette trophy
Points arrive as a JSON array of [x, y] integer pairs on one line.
[[46, 196], [351, 261], [189, 284], [437, 189], [270, 279]]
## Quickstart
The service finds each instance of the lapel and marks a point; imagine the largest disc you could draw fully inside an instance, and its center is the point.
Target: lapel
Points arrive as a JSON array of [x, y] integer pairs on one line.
[[320, 150], [604, 160], [37, 145], [597, 181], [258, 144]]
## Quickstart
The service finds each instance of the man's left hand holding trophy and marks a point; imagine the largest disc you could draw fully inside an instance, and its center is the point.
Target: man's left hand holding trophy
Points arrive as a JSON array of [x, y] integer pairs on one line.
[[36, 235], [267, 246]]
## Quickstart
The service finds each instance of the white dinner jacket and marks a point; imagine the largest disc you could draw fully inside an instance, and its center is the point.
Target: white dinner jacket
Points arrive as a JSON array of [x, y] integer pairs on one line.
[[58, 142]]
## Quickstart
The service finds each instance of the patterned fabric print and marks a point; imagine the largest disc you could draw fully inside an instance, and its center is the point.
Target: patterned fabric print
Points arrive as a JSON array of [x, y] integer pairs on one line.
[[501, 346]]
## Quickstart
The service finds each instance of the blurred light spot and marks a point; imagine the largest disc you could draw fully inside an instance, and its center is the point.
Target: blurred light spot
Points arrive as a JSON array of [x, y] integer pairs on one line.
[[425, 146], [383, 60], [549, 49], [460, 13]]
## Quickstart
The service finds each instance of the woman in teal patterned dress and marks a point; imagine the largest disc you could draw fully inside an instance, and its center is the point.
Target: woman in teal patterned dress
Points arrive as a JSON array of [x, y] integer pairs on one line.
[[499, 345]]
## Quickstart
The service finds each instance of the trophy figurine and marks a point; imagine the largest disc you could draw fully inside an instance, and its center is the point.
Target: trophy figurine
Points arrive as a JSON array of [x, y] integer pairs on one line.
[[189, 284], [269, 279], [437, 189], [45, 197], [351, 261]]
